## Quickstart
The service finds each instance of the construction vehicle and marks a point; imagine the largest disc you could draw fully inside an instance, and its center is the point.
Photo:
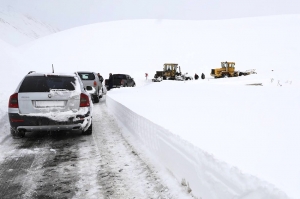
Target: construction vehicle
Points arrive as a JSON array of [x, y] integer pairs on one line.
[[170, 71], [227, 70]]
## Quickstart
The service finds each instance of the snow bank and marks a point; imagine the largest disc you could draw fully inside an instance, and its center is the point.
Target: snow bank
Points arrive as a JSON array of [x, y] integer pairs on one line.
[[206, 176]]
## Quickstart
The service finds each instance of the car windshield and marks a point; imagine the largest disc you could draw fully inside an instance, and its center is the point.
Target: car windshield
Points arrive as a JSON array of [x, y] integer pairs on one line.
[[86, 76], [46, 83]]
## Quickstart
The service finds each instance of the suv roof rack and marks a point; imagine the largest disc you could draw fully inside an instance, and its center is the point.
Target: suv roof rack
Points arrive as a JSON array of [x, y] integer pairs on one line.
[[31, 72]]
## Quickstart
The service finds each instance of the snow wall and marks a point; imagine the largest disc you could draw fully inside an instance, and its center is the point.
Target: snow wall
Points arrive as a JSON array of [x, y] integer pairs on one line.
[[206, 176]]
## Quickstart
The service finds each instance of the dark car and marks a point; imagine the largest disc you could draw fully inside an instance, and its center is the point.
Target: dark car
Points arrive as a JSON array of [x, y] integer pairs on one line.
[[121, 80], [50, 102]]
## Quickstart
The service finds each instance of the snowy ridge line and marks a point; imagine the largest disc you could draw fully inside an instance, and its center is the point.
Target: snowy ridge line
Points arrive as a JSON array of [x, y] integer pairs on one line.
[[207, 177]]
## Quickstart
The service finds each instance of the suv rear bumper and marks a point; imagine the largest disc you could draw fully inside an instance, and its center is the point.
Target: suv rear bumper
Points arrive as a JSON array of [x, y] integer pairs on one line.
[[34, 123], [50, 128]]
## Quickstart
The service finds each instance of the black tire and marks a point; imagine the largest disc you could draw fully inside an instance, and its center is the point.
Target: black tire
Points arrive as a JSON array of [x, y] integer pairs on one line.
[[20, 134], [13, 132], [16, 134], [89, 131], [96, 98]]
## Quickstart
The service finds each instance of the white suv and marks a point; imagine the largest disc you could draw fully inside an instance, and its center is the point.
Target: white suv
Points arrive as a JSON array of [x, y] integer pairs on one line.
[[92, 83], [50, 102]]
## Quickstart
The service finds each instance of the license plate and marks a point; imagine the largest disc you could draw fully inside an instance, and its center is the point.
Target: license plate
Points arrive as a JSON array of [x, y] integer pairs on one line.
[[47, 104]]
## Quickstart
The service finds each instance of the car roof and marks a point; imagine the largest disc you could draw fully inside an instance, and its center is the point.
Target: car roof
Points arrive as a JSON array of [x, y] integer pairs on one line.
[[85, 72], [52, 74]]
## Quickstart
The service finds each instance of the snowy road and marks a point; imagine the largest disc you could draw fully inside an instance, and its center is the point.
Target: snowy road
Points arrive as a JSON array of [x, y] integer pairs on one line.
[[70, 165]]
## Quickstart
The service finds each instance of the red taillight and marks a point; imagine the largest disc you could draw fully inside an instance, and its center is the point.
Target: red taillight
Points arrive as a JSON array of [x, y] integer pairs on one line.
[[84, 100], [95, 83], [13, 101], [16, 120]]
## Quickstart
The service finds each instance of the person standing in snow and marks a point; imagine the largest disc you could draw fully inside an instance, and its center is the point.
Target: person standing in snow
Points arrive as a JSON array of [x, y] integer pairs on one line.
[[100, 78], [196, 76], [202, 76], [110, 81]]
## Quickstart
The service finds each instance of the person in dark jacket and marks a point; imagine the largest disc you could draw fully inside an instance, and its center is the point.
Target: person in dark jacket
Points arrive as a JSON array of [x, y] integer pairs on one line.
[[110, 81], [100, 78], [202, 76], [196, 76]]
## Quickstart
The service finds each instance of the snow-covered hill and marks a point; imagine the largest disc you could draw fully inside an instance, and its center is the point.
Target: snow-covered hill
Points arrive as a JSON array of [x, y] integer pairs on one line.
[[139, 46], [17, 28]]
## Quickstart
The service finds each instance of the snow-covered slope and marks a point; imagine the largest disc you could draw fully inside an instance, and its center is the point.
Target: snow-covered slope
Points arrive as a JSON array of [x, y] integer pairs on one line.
[[17, 28], [263, 149], [139, 46], [13, 67]]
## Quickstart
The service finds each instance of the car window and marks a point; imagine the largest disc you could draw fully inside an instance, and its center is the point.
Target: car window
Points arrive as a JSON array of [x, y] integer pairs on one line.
[[86, 76], [120, 76], [45, 83]]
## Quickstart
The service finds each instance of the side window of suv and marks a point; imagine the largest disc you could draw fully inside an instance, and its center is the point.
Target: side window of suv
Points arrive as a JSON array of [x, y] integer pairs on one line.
[[86, 76]]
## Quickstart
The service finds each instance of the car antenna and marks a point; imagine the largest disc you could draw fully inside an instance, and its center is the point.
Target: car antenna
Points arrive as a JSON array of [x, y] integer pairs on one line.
[[52, 69]]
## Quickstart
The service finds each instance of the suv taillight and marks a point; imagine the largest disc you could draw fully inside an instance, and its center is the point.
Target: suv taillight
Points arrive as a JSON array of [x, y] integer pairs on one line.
[[84, 100], [13, 101], [95, 83]]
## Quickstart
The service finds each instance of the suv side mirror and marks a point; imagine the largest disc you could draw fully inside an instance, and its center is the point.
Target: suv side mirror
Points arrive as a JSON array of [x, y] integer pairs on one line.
[[89, 88]]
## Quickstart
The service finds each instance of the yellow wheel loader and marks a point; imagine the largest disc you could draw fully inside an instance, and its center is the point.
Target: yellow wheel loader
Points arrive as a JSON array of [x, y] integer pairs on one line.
[[170, 71], [227, 70]]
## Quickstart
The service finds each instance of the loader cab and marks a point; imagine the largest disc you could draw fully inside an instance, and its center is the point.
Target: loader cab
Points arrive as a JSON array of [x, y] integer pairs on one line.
[[228, 66], [170, 67], [170, 70]]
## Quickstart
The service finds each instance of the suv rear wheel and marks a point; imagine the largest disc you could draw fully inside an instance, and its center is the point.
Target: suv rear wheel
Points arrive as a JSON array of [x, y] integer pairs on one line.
[[15, 133], [89, 131]]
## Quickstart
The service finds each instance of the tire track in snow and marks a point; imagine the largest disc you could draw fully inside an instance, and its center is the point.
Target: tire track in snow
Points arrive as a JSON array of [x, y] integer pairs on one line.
[[122, 173]]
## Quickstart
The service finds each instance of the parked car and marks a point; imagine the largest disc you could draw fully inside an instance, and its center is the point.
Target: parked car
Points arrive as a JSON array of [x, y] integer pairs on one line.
[[121, 80], [184, 77], [92, 80], [50, 102]]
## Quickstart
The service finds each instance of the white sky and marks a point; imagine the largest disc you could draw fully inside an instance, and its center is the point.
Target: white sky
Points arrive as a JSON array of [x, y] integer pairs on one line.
[[65, 13]]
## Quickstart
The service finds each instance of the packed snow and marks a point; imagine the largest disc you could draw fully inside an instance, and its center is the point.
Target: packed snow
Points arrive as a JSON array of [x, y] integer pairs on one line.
[[242, 131]]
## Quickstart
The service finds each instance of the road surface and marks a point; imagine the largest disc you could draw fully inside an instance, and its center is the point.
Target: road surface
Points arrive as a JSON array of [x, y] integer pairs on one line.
[[72, 165]]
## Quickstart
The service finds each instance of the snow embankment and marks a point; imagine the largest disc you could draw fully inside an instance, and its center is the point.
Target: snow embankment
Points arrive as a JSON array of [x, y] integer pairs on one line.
[[201, 172]]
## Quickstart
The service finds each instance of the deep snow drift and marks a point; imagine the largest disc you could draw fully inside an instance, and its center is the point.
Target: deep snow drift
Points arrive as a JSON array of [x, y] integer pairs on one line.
[[251, 128]]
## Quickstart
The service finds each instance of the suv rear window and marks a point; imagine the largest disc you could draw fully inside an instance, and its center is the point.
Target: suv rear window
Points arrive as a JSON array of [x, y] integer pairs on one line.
[[86, 76], [119, 76], [45, 83]]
